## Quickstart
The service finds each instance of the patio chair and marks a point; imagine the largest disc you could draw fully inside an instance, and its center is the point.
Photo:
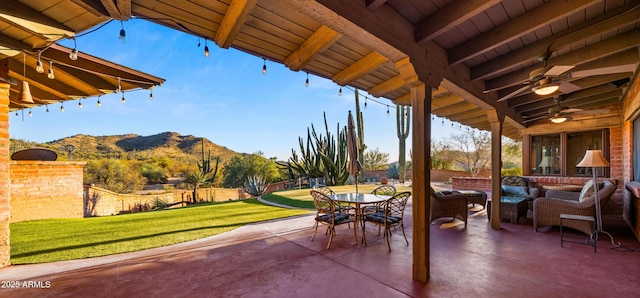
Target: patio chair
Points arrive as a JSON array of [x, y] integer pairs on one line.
[[387, 190], [547, 210], [448, 205], [329, 213], [325, 190], [390, 216]]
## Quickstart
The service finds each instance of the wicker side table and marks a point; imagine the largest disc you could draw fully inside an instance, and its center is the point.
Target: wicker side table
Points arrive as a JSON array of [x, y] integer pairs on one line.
[[510, 207], [475, 197]]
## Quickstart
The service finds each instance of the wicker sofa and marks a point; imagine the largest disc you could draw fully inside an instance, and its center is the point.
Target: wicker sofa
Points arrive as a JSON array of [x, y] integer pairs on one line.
[[547, 210], [517, 186]]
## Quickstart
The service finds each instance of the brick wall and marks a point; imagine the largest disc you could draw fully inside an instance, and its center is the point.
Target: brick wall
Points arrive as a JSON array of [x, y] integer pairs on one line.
[[473, 183], [46, 189], [5, 181], [102, 202]]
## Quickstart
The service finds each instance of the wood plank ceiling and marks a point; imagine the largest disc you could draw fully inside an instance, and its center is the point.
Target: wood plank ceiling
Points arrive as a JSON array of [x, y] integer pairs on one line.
[[482, 50], [28, 32]]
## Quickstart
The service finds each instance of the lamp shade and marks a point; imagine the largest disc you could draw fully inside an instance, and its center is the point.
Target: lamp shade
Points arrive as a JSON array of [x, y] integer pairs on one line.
[[25, 93], [593, 158], [546, 162]]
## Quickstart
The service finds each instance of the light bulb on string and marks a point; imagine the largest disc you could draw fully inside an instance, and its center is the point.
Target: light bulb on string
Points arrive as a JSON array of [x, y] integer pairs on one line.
[[306, 83], [442, 122], [151, 95], [388, 111], [17, 113], [99, 103], [264, 66], [340, 92], [61, 107], [51, 75], [365, 102], [206, 48], [451, 124], [39, 66], [123, 34], [80, 104], [123, 100], [47, 110], [30, 114], [198, 41], [74, 52]]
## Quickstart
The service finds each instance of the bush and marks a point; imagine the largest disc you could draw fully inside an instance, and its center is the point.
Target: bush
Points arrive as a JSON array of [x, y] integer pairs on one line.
[[511, 172]]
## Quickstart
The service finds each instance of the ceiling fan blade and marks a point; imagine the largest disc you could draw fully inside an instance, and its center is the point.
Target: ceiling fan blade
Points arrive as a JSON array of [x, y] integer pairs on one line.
[[570, 110], [557, 70], [603, 71], [507, 86], [566, 87], [514, 93], [592, 112]]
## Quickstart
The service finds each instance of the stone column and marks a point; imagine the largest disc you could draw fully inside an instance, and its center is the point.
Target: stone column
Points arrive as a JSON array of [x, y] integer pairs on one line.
[[496, 121], [5, 181]]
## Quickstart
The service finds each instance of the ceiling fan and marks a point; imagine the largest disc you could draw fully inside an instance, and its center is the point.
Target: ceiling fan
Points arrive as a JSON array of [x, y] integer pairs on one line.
[[547, 80], [561, 114]]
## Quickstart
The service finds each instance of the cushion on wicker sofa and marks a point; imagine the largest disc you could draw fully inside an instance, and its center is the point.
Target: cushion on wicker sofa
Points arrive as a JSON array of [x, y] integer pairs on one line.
[[515, 191], [586, 192]]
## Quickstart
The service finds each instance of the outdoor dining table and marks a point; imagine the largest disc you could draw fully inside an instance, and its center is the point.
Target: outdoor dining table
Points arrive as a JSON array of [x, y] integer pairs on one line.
[[359, 199]]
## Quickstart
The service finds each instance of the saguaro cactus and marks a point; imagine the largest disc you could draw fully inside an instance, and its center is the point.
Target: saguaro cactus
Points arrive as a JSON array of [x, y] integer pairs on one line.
[[403, 121], [360, 128]]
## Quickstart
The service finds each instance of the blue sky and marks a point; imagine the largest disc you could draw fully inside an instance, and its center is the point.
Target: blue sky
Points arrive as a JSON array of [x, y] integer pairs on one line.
[[224, 98]]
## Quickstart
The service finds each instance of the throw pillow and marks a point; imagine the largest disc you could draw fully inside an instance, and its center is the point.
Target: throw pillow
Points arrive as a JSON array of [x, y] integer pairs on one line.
[[518, 191], [587, 191]]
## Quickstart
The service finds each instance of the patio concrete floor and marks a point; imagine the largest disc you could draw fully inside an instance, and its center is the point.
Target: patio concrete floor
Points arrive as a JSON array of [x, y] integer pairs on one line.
[[277, 259]]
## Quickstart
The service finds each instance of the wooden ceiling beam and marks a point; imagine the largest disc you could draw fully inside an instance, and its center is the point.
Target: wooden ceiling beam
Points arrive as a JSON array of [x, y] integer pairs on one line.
[[454, 108], [528, 22], [95, 7], [124, 6], [449, 16], [580, 125], [323, 38], [28, 18], [13, 43], [374, 4], [360, 68], [579, 57], [445, 100], [387, 86], [617, 18], [112, 8], [403, 100], [233, 21]]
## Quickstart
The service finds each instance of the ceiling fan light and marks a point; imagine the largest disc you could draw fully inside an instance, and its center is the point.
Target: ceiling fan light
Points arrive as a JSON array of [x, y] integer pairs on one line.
[[546, 89], [558, 119]]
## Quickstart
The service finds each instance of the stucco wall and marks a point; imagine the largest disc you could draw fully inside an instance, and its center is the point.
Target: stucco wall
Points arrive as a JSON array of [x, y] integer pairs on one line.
[[45, 189]]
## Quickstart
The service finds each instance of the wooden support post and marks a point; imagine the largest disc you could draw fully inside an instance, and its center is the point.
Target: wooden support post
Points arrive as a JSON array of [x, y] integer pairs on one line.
[[421, 138], [496, 121]]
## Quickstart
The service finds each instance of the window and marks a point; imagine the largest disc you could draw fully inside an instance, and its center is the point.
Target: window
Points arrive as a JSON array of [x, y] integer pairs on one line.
[[558, 154]]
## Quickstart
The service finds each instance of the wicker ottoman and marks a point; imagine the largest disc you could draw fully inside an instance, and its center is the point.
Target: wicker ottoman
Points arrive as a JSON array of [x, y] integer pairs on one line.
[[475, 197], [510, 207]]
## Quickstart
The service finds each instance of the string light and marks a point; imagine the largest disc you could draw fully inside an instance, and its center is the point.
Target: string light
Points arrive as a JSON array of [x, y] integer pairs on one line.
[[74, 52], [388, 110], [365, 102], [123, 35], [50, 75], [151, 95], [123, 101], [264, 66], [30, 114], [99, 103], [80, 104], [47, 110], [306, 83], [443, 122], [39, 66], [340, 92], [61, 106], [206, 48]]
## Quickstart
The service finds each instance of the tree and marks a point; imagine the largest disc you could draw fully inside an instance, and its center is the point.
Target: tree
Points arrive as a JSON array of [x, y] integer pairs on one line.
[[240, 167], [474, 150], [442, 157], [197, 178], [116, 175], [375, 160]]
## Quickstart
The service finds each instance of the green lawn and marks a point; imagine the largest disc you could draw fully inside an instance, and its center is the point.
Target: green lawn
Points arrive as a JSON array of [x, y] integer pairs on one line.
[[51, 240]]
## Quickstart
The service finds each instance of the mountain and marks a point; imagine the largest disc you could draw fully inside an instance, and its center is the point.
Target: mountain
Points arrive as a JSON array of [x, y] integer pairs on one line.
[[170, 144]]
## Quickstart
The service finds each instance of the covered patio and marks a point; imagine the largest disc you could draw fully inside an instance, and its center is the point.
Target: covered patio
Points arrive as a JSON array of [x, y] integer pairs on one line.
[[278, 259], [474, 62]]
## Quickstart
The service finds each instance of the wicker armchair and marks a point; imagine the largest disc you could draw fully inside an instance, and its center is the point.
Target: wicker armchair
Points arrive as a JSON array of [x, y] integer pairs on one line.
[[517, 186], [448, 205], [329, 213], [547, 210]]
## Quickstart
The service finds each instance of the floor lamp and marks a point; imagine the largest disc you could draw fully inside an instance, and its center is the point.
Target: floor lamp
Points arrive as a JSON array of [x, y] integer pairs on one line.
[[594, 159]]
